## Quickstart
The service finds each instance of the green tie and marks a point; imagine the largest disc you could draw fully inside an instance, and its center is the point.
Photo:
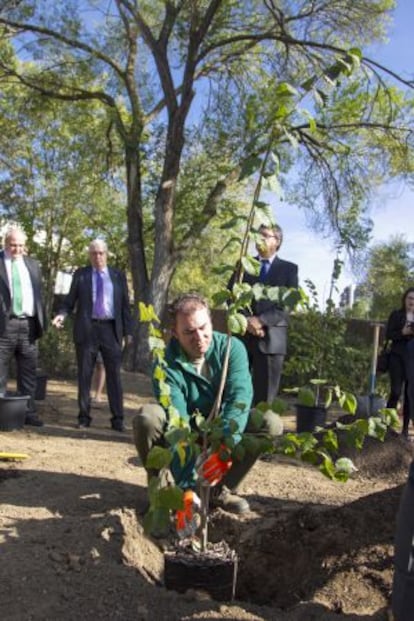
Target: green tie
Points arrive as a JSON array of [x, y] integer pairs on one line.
[[17, 290]]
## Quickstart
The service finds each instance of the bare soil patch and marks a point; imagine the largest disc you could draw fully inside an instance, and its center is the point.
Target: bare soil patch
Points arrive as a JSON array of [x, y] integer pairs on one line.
[[72, 546]]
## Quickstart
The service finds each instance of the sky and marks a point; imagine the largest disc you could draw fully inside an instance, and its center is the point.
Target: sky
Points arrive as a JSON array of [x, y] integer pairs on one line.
[[392, 210]]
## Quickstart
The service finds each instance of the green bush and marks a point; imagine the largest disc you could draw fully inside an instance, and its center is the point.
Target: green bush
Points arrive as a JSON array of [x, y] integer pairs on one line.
[[57, 353], [318, 346]]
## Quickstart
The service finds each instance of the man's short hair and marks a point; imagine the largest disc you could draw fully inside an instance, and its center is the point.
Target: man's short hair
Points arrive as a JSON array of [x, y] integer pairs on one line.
[[187, 303], [100, 243], [11, 229]]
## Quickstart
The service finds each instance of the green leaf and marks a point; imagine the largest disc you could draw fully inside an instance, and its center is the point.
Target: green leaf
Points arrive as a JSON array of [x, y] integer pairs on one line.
[[159, 373], [308, 84], [155, 342], [256, 419], [350, 403], [330, 440], [344, 464], [284, 89], [292, 139], [237, 323], [306, 397], [157, 521], [271, 183], [158, 458], [321, 97], [251, 265], [233, 222], [250, 166], [221, 297], [279, 406], [328, 468], [171, 498], [147, 313]]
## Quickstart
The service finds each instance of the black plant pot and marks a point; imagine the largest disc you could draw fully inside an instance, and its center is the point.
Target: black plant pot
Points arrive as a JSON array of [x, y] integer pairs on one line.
[[309, 417], [13, 410], [212, 571]]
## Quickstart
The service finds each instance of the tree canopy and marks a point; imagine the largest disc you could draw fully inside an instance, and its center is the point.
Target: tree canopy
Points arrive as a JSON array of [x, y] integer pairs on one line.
[[389, 272], [196, 91]]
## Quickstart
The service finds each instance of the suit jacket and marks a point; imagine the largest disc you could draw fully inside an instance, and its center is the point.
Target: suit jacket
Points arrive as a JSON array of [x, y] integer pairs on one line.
[[281, 274], [79, 301], [5, 296], [396, 322]]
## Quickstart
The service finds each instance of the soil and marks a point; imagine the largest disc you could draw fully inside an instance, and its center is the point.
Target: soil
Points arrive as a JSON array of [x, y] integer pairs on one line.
[[73, 546]]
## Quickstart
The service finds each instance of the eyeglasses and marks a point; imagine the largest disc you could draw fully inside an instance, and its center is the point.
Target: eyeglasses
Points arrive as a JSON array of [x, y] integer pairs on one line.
[[269, 236], [98, 252]]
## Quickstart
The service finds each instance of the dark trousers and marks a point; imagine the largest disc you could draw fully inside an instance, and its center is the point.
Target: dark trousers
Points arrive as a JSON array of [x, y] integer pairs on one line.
[[266, 370], [102, 340], [149, 426], [409, 370], [18, 341], [397, 373]]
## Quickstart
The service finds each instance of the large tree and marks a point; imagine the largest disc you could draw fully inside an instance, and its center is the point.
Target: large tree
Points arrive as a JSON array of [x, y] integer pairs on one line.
[[213, 80]]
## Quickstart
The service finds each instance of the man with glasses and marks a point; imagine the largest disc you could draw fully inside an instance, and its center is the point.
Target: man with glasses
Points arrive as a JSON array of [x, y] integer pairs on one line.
[[266, 336], [99, 297], [22, 317]]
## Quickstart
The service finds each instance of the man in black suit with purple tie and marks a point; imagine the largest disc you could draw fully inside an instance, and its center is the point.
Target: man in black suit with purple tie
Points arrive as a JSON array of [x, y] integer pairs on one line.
[[99, 298], [266, 336]]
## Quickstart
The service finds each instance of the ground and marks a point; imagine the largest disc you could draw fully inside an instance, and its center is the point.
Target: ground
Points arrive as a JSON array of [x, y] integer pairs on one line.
[[72, 546]]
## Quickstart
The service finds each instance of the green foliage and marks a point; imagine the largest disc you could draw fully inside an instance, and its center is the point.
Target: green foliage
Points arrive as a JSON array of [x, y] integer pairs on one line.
[[187, 92], [389, 272], [320, 393], [321, 346], [57, 353], [323, 449]]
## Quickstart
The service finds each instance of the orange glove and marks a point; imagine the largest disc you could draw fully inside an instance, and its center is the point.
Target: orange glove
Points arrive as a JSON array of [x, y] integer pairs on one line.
[[216, 466], [187, 520]]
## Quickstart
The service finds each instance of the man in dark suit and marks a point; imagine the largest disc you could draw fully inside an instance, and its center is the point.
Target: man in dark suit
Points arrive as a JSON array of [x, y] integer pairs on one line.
[[99, 298], [266, 336], [22, 317]]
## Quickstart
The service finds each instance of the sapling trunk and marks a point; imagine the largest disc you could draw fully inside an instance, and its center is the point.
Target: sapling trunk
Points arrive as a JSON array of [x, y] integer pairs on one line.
[[203, 530]]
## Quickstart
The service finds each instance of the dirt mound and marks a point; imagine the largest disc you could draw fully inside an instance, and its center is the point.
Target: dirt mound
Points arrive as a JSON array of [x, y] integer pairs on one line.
[[73, 547]]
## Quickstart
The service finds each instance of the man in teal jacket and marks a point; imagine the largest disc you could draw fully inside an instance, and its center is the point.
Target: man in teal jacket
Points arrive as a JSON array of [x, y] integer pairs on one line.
[[195, 358]]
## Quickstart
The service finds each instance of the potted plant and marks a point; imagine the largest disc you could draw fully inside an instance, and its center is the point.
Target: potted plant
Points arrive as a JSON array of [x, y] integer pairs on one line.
[[314, 400]]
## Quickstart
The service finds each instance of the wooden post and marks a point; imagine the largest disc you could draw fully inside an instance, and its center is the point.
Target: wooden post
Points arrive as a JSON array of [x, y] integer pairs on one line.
[[373, 374]]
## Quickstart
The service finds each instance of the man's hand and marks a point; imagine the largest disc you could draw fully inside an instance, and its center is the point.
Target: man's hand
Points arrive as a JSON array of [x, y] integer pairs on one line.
[[213, 469], [58, 321], [255, 326], [187, 520]]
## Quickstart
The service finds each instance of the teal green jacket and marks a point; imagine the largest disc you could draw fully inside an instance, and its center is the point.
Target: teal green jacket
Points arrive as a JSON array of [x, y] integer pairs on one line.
[[191, 392]]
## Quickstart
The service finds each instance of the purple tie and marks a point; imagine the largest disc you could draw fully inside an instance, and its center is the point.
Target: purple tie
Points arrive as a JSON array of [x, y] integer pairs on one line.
[[99, 308]]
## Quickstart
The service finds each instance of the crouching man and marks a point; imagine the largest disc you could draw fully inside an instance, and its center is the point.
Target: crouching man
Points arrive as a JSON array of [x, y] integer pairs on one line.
[[194, 358]]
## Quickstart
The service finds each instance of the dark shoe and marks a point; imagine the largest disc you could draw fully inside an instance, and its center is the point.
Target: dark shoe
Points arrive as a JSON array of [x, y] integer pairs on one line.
[[84, 422], [223, 498], [118, 426], [33, 421]]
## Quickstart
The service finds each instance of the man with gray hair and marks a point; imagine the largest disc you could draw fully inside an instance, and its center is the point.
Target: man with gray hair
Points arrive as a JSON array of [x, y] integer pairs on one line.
[[99, 298], [22, 317]]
